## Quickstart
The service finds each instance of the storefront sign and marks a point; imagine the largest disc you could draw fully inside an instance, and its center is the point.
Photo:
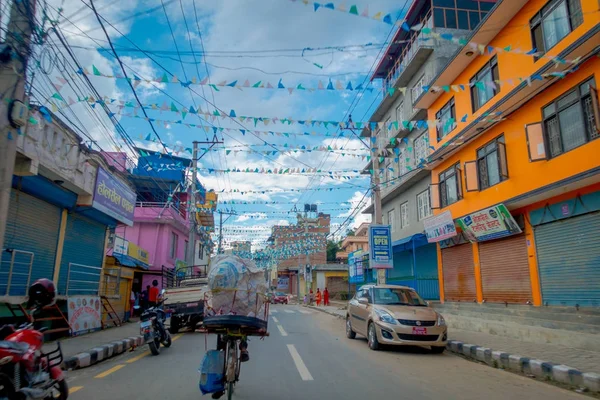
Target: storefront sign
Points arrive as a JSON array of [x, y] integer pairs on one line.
[[439, 227], [355, 267], [85, 314], [181, 268], [121, 246], [113, 198], [491, 223], [137, 253], [380, 247], [283, 283]]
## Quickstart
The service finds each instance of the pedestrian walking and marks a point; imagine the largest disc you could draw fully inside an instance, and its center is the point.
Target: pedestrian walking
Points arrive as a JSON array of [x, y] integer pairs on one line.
[[132, 303], [318, 297], [325, 297], [305, 299], [311, 297], [153, 294]]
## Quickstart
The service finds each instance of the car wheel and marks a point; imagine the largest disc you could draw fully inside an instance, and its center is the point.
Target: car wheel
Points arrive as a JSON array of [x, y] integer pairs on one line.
[[438, 349], [372, 336], [350, 334]]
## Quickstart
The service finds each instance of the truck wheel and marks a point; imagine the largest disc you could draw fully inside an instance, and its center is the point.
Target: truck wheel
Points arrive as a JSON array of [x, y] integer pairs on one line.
[[175, 325]]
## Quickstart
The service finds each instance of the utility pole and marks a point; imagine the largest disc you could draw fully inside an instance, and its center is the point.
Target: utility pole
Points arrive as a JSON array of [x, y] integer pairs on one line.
[[191, 250], [14, 55], [221, 212]]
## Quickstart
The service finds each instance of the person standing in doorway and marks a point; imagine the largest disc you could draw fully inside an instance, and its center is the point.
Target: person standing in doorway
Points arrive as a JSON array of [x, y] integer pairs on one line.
[[318, 297], [153, 294], [325, 297], [144, 296], [132, 304]]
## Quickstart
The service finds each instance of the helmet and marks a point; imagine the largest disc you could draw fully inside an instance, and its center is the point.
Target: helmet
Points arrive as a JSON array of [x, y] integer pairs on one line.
[[42, 293]]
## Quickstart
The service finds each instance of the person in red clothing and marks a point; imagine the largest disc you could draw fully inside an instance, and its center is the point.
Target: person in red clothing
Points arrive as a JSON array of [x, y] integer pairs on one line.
[[318, 297], [325, 297], [153, 294]]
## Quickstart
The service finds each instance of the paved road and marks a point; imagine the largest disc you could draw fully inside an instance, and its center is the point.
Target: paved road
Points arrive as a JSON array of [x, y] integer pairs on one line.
[[307, 356]]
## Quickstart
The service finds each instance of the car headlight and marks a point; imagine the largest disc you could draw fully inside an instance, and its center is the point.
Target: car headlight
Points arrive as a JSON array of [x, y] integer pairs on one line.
[[386, 317], [441, 321]]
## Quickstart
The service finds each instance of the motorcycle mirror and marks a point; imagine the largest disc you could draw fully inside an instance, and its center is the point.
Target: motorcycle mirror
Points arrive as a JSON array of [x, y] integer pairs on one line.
[[162, 292]]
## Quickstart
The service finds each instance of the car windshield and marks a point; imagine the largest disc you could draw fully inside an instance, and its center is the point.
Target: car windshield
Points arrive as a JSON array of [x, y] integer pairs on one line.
[[402, 297], [280, 294]]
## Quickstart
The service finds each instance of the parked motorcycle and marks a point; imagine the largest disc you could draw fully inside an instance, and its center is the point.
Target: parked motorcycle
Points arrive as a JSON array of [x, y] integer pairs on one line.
[[152, 327], [26, 372]]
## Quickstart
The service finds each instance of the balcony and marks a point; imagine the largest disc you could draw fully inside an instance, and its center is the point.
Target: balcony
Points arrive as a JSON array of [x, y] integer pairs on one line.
[[146, 211], [411, 58]]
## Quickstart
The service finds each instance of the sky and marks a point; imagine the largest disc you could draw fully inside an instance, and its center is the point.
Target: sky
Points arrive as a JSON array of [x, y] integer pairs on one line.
[[228, 40]]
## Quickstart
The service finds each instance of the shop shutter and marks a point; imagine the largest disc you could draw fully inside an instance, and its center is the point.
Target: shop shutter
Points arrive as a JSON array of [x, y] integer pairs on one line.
[[459, 275], [569, 260], [505, 270], [32, 226], [403, 266], [427, 272], [84, 245]]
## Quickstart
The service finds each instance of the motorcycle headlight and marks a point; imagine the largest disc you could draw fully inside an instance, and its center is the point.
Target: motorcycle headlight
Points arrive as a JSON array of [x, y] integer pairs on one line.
[[441, 321], [386, 317]]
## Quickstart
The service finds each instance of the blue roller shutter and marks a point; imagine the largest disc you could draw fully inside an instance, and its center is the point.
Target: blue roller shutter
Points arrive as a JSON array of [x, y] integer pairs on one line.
[[84, 244], [32, 226], [428, 285], [568, 254]]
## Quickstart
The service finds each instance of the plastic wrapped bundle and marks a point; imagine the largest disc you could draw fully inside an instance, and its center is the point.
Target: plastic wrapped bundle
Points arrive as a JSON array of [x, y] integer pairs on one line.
[[237, 287]]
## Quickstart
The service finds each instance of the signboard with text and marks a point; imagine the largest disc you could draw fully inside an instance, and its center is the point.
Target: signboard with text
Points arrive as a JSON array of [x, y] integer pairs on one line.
[[488, 224], [114, 198], [439, 227], [355, 267], [84, 314], [380, 247], [283, 283]]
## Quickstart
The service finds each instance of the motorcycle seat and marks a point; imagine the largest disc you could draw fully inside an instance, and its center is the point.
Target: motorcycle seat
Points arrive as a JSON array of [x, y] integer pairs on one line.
[[15, 346]]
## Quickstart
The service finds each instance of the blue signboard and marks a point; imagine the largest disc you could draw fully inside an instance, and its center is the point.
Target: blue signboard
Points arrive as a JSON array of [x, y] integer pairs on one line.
[[380, 247], [355, 268]]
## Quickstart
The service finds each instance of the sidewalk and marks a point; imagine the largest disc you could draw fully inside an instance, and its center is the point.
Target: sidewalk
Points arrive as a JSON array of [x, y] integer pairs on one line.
[[83, 351], [575, 367]]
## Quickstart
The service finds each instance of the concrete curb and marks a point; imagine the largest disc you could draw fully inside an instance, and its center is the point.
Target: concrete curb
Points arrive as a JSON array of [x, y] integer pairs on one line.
[[99, 353], [540, 369], [325, 311]]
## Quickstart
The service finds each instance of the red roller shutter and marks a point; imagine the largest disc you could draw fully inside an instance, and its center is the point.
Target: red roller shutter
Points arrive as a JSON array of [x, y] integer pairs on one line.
[[505, 270], [459, 275]]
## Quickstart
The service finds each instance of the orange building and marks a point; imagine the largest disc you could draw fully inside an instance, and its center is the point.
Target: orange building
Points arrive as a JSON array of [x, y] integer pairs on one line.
[[519, 131]]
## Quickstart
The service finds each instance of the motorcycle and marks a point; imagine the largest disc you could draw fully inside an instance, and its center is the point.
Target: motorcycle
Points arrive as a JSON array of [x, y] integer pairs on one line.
[[152, 327], [26, 372]]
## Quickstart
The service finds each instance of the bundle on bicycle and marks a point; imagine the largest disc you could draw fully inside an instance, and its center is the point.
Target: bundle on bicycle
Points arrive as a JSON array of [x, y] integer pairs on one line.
[[236, 308]]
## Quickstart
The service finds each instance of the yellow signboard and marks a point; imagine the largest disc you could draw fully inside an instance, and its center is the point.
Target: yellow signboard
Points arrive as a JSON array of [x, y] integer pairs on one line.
[[136, 252]]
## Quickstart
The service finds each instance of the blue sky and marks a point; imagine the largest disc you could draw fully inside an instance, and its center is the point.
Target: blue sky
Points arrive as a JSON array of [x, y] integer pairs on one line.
[[234, 34]]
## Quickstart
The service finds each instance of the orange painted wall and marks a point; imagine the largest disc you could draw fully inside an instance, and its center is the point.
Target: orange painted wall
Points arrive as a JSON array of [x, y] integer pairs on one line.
[[511, 65], [525, 176]]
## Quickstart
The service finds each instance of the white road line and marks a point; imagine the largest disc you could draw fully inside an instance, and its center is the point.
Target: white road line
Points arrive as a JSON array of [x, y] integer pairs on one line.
[[281, 330], [305, 312], [300, 366], [289, 311], [275, 320], [272, 311]]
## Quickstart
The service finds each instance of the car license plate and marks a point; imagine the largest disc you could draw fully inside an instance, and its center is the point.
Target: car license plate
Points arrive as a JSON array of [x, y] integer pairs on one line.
[[145, 324], [191, 305], [419, 330]]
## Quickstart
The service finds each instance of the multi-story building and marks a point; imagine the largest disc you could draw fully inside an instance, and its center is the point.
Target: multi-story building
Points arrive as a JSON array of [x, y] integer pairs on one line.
[[518, 130], [410, 64], [295, 246], [359, 241]]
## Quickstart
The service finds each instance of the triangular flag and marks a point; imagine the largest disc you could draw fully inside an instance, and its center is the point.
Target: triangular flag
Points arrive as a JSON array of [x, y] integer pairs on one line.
[[95, 70]]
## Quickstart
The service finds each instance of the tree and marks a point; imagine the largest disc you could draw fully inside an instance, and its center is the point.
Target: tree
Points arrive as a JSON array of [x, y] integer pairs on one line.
[[350, 232], [332, 249]]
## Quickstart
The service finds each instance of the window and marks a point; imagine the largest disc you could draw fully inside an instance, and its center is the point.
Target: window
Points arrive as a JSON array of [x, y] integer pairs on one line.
[[555, 21], [421, 148], [491, 164], [397, 297], [483, 85], [200, 251], [570, 121], [392, 219], [186, 249], [174, 239], [399, 114], [402, 165], [450, 186], [423, 205], [404, 214], [417, 90], [447, 119]]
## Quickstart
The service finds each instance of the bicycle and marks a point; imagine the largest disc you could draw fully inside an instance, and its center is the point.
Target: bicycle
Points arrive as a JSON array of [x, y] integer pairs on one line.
[[230, 343]]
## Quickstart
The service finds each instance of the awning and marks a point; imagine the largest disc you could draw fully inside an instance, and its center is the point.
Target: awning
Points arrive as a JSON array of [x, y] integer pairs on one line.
[[129, 261], [416, 240]]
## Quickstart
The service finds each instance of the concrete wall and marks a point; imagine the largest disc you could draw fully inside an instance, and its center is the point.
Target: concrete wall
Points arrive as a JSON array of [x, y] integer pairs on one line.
[[410, 196]]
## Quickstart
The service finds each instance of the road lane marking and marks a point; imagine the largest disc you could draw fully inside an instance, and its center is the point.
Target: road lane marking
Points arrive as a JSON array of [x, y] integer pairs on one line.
[[289, 311], [275, 320], [300, 366], [272, 311], [75, 389], [174, 338], [139, 357], [305, 312], [110, 371], [281, 330]]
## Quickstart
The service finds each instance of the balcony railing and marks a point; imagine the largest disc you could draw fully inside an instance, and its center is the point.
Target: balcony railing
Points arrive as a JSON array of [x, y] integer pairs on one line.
[[415, 42], [164, 205]]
